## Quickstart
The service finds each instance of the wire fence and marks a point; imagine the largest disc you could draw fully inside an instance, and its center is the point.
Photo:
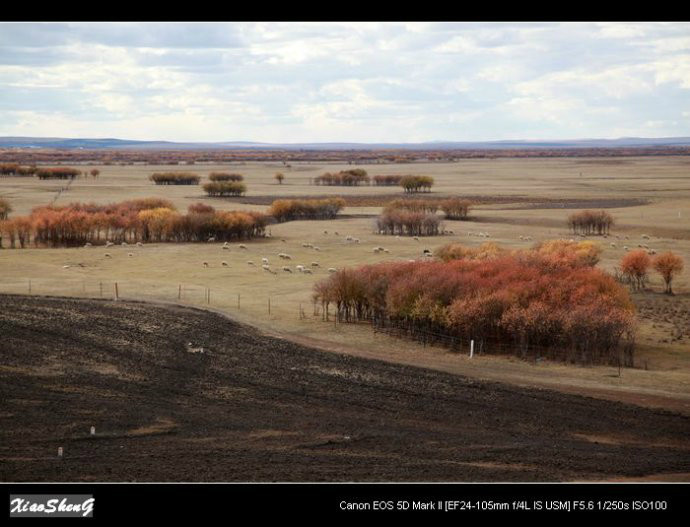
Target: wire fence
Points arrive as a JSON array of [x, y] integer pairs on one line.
[[262, 310]]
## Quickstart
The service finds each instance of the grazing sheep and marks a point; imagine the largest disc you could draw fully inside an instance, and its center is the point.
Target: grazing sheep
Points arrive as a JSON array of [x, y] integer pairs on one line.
[[109, 244], [287, 257], [325, 232], [613, 245], [348, 238], [307, 245], [332, 270], [124, 244], [287, 269], [426, 251], [242, 246], [386, 251], [283, 240], [651, 251], [264, 260], [625, 247], [300, 268], [226, 248], [317, 248], [376, 250], [65, 266], [356, 240], [139, 244], [645, 237], [224, 264], [212, 239], [336, 233], [87, 244], [452, 232], [415, 238], [265, 267], [307, 271], [315, 264]]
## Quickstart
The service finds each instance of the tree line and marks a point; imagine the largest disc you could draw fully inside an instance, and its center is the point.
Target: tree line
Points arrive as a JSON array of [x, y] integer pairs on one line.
[[143, 220], [547, 302]]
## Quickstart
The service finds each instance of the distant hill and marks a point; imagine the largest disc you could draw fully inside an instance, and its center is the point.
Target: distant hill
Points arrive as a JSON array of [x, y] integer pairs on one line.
[[119, 144]]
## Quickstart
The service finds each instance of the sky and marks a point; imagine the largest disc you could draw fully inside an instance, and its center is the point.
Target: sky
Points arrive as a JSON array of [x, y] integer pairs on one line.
[[291, 82]]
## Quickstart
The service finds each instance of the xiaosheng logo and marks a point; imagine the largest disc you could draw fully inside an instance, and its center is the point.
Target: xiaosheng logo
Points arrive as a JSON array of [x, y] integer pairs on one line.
[[51, 505]]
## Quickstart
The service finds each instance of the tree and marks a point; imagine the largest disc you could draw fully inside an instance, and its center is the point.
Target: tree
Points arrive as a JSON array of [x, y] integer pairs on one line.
[[95, 173], [668, 265], [279, 178], [636, 264]]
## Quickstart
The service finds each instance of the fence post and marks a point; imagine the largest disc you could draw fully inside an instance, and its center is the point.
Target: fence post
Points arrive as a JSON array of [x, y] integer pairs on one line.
[[471, 348], [269, 305], [209, 296], [179, 292], [117, 293], [238, 301], [29, 286], [100, 286]]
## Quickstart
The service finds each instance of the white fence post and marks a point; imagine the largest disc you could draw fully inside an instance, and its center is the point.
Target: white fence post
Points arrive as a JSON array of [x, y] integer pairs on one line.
[[471, 348]]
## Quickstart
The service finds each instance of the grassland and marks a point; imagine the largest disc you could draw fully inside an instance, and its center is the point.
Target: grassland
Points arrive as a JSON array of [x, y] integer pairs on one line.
[[646, 195]]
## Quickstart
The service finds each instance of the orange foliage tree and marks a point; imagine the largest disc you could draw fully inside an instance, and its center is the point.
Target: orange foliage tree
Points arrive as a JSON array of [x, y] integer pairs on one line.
[[524, 303], [635, 265], [668, 265]]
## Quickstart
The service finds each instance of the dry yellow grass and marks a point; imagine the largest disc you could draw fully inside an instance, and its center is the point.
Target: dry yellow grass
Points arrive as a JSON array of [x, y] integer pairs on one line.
[[156, 271]]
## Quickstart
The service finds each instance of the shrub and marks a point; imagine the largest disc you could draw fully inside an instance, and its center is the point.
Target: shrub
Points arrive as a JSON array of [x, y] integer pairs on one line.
[[293, 209], [412, 184], [225, 188], [387, 181], [590, 222], [353, 177], [175, 178], [223, 176], [456, 208], [57, 173]]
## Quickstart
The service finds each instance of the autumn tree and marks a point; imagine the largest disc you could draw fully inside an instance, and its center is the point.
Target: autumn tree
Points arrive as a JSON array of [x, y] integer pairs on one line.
[[5, 209], [279, 177], [668, 265], [635, 265], [95, 173]]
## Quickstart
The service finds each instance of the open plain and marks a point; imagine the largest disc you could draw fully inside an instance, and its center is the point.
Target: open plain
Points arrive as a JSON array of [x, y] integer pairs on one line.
[[515, 198]]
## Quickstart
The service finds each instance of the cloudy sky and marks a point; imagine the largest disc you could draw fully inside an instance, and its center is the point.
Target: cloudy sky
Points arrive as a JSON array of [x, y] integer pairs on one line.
[[362, 82]]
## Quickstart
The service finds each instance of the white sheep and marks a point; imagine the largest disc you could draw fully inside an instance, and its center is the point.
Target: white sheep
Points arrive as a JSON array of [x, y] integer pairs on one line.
[[139, 244], [332, 270], [300, 268], [87, 244], [645, 237], [336, 233], [613, 245], [226, 248], [242, 246], [212, 239], [415, 238], [124, 244], [264, 260], [306, 271], [317, 248]]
